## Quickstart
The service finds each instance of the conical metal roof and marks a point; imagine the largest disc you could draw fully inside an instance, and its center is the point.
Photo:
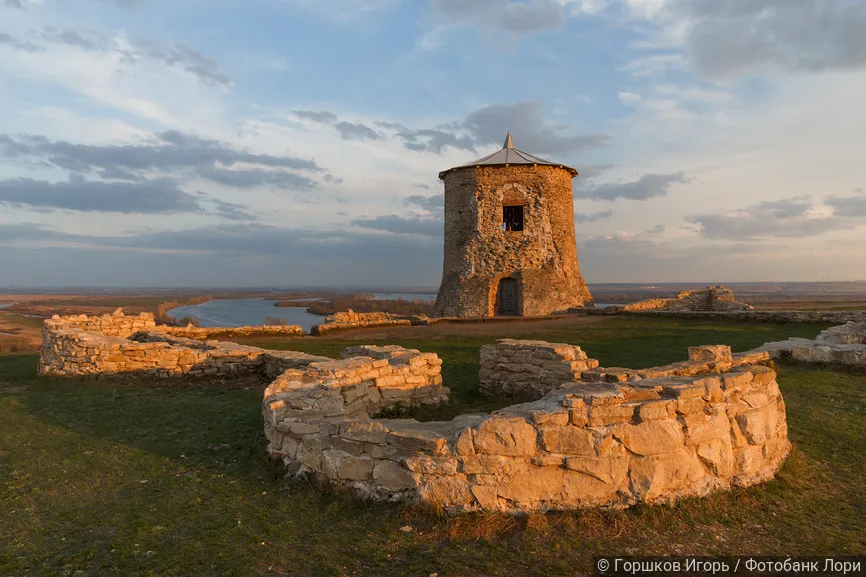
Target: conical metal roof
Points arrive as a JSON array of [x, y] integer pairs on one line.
[[508, 156]]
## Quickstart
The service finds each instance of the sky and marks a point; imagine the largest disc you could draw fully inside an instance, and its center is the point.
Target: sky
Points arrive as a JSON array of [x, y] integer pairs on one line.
[[298, 142]]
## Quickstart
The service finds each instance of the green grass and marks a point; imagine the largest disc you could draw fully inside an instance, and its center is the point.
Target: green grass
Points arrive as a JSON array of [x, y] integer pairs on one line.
[[99, 478]]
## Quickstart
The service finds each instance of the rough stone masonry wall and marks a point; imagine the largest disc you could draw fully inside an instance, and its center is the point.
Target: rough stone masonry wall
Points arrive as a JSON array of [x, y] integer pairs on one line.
[[69, 350], [352, 320], [116, 324], [200, 333], [808, 317], [713, 298], [845, 344], [522, 367], [585, 444], [478, 253]]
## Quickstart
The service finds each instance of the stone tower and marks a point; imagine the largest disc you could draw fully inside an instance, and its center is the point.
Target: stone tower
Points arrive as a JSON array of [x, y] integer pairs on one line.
[[509, 238]]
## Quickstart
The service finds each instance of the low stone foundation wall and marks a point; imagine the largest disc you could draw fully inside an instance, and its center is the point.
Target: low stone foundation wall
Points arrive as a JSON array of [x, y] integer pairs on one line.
[[70, 350], [201, 333], [585, 444], [353, 320], [848, 334], [781, 317], [116, 324], [713, 298], [845, 344], [522, 368]]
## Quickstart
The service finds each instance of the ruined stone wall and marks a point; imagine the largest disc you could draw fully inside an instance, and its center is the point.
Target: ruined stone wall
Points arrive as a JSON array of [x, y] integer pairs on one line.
[[479, 254], [522, 367], [201, 333], [585, 444], [352, 320], [69, 350], [116, 324], [844, 344], [713, 298], [809, 317], [848, 334]]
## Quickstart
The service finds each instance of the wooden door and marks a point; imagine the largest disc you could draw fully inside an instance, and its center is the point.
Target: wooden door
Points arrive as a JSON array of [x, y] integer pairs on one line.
[[508, 296]]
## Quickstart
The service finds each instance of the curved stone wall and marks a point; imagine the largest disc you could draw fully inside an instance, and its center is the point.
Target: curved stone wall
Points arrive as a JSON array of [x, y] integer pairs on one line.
[[585, 444]]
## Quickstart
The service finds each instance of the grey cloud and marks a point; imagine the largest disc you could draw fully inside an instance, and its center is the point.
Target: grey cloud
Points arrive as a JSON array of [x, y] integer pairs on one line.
[[390, 125], [92, 42], [402, 225], [16, 44], [357, 131], [77, 194], [33, 232], [488, 125], [657, 229], [228, 210], [593, 170], [434, 204], [13, 4], [176, 56], [648, 186], [166, 152], [578, 217], [322, 116], [847, 206], [516, 17], [770, 219], [532, 134], [728, 38], [432, 140], [256, 178]]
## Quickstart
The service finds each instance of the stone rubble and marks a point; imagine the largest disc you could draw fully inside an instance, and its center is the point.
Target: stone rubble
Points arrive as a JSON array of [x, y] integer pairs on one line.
[[844, 344], [352, 320], [713, 298]]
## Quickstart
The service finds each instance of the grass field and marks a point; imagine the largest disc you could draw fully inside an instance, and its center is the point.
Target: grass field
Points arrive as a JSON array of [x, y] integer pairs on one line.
[[98, 478]]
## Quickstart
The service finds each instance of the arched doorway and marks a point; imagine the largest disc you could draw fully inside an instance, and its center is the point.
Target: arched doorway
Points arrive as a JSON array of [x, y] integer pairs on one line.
[[508, 297]]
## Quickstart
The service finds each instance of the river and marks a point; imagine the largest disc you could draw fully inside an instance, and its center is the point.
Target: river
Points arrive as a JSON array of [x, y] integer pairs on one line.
[[255, 312]]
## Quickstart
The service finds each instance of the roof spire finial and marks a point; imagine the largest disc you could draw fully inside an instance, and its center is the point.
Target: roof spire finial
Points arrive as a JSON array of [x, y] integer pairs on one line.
[[508, 142]]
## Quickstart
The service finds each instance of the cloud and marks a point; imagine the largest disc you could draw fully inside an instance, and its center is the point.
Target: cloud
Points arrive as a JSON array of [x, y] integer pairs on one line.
[[432, 140], [13, 4], [727, 39], [516, 17], [847, 206], [489, 124], [357, 131], [154, 197], [167, 152], [8, 40], [787, 218], [402, 225], [648, 186], [629, 98], [322, 116], [578, 217], [228, 210], [434, 204], [130, 52]]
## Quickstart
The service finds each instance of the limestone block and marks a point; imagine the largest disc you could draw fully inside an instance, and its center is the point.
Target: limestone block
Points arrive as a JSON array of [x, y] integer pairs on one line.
[[567, 439], [392, 477], [510, 436], [651, 437]]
